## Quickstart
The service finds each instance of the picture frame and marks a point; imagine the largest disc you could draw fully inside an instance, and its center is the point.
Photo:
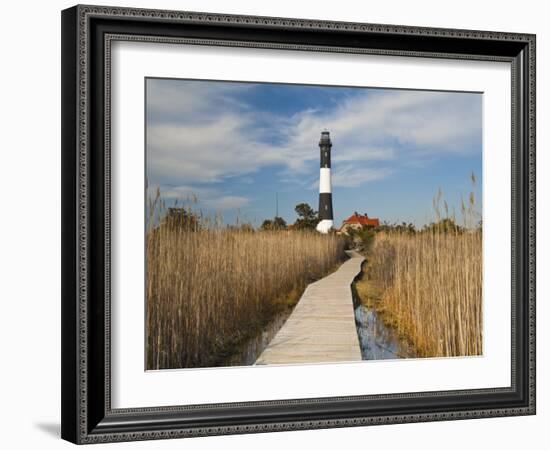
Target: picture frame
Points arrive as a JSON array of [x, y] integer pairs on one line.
[[87, 35]]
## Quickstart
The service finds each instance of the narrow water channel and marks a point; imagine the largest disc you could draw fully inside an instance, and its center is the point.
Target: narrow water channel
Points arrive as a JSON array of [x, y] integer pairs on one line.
[[377, 341]]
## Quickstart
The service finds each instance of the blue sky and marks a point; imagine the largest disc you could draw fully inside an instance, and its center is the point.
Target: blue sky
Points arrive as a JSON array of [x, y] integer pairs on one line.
[[234, 145]]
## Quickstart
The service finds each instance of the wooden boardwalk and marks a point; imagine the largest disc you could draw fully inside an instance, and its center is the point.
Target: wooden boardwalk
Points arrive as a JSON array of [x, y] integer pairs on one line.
[[322, 326]]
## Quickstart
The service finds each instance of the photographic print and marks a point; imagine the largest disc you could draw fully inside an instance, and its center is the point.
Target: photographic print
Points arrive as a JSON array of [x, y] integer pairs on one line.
[[299, 224]]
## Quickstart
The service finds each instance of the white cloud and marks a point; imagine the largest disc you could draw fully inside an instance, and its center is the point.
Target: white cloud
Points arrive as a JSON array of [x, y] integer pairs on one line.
[[199, 197], [172, 100], [353, 175], [227, 202], [201, 132]]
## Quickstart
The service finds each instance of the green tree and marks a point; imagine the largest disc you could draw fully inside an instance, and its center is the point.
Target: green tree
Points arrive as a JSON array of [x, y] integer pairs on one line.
[[242, 227], [362, 237], [277, 223], [403, 227], [307, 217], [182, 219], [446, 225]]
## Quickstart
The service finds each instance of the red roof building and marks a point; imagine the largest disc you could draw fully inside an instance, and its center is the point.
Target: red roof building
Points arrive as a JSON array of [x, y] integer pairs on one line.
[[359, 220]]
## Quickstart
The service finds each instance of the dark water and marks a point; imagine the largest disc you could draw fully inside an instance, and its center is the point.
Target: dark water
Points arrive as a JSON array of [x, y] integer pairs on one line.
[[251, 349], [376, 340]]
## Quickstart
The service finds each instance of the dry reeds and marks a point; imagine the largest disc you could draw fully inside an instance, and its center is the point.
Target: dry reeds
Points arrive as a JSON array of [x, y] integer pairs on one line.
[[210, 286], [431, 281], [431, 289]]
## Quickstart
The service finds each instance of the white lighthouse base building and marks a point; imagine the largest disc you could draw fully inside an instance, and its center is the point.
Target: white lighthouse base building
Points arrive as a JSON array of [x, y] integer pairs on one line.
[[324, 226]]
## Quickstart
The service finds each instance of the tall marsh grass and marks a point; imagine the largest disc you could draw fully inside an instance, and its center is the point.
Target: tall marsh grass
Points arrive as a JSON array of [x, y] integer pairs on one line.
[[210, 286], [431, 289], [429, 282]]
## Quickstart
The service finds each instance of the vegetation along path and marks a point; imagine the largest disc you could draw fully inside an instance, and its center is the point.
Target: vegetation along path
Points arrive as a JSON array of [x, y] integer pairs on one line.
[[322, 326]]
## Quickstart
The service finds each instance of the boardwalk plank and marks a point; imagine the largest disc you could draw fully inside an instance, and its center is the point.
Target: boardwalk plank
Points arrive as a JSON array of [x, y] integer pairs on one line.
[[322, 326]]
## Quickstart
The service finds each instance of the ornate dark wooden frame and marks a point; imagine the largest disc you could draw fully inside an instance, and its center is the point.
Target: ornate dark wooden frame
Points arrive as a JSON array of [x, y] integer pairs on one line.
[[87, 34]]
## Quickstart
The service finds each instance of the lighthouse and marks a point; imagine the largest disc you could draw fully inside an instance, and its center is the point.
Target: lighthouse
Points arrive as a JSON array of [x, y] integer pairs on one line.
[[325, 185]]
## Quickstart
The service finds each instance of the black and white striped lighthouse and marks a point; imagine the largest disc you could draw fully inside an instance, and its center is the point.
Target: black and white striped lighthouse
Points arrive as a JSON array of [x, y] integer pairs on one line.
[[325, 185]]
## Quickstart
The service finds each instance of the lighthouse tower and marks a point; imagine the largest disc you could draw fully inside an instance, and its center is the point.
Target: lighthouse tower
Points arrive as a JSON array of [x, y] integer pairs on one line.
[[325, 185]]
